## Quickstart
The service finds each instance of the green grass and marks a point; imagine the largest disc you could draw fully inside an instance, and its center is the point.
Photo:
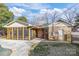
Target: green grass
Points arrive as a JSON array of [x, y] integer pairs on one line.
[[57, 49], [40, 50]]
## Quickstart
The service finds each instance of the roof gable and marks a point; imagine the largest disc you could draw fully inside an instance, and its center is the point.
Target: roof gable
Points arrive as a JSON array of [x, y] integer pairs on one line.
[[17, 24], [60, 22]]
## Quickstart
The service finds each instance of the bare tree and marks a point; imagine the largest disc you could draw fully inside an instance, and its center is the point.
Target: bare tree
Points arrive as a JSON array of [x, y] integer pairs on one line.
[[71, 13], [70, 16]]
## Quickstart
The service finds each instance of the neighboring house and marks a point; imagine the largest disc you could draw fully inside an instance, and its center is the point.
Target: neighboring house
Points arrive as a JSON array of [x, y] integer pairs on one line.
[[60, 31], [75, 32], [75, 28]]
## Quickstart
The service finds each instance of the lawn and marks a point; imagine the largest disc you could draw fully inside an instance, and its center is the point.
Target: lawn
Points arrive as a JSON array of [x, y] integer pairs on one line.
[[55, 49]]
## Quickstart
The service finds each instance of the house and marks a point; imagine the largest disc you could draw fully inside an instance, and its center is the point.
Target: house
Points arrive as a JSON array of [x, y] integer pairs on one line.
[[57, 31], [60, 31]]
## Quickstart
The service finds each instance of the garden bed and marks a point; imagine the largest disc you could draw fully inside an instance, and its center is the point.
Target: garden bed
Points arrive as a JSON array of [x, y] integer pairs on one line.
[[55, 49]]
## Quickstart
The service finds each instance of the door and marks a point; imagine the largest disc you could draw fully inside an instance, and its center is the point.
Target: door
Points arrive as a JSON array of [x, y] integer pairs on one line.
[[60, 35], [40, 33], [46, 33]]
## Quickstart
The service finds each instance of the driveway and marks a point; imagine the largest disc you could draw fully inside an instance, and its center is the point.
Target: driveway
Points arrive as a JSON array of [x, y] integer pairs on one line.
[[18, 47], [75, 37]]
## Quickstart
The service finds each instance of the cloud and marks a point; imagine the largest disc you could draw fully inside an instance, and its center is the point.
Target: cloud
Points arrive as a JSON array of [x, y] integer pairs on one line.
[[52, 10], [25, 9], [17, 11], [36, 6], [58, 10]]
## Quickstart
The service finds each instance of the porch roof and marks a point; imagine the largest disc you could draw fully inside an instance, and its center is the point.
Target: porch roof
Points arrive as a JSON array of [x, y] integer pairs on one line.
[[17, 24]]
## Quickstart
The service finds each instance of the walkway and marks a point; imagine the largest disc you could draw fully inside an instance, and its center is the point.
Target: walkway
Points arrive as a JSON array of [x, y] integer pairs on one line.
[[18, 47]]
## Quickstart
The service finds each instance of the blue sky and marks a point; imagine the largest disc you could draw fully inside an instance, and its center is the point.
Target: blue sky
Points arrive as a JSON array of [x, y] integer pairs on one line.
[[27, 9], [30, 10]]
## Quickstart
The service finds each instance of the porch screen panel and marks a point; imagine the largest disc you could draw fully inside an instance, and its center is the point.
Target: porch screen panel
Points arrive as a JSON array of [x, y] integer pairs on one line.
[[31, 34], [19, 33], [10, 33], [15, 33], [26, 31]]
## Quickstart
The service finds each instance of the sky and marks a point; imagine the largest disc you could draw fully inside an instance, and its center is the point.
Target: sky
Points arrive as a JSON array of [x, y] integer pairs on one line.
[[27, 9], [30, 10]]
